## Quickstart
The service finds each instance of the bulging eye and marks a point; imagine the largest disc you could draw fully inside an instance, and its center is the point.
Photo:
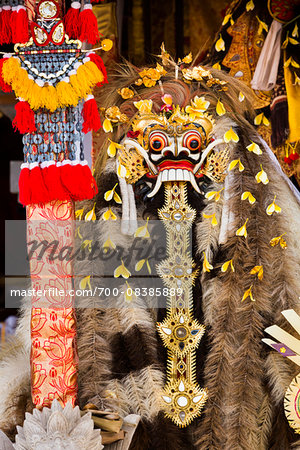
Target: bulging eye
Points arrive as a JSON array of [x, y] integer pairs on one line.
[[157, 142], [192, 141]]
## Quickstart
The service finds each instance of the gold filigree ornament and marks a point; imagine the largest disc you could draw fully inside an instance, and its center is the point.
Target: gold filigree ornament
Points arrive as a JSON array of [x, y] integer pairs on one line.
[[182, 397], [216, 165], [180, 333], [183, 401], [133, 162]]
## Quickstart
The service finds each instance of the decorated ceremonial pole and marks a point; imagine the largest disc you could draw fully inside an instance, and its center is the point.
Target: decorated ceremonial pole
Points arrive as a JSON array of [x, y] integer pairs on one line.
[[53, 77]]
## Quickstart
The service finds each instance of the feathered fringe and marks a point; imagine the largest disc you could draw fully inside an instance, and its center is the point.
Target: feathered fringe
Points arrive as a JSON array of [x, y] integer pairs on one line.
[[138, 393], [56, 181], [15, 399], [51, 97], [236, 364]]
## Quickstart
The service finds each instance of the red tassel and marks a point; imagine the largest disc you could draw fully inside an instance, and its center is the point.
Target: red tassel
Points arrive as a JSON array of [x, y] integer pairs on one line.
[[24, 120], [4, 86], [72, 20], [19, 25], [78, 180], [5, 31], [88, 25], [39, 192], [24, 187], [52, 179], [90, 114], [96, 59]]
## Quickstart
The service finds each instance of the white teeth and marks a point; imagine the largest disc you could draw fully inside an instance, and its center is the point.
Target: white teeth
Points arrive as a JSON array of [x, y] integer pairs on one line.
[[165, 175], [172, 175], [179, 175], [157, 185], [186, 175]]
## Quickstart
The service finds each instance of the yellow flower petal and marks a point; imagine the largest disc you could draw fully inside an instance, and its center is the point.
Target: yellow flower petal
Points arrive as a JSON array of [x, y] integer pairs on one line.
[[278, 240], [283, 243], [117, 198], [87, 243], [188, 58], [214, 195], [90, 215], [144, 106], [266, 122], [129, 294], [247, 195], [79, 214], [262, 177], [109, 195], [121, 271], [112, 149], [109, 244], [243, 230], [262, 26], [230, 135], [109, 215], [143, 231], [220, 44], [217, 66], [148, 266], [214, 221], [241, 97], [77, 233], [139, 265], [220, 108], [295, 31], [226, 19], [207, 267], [254, 148], [225, 266], [85, 282], [126, 93], [248, 293], [250, 6], [293, 41], [258, 119], [121, 171], [259, 271], [273, 208], [235, 162], [107, 126]]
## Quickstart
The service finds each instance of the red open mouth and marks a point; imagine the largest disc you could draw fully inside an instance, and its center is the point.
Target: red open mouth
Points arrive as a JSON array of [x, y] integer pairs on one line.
[[178, 164]]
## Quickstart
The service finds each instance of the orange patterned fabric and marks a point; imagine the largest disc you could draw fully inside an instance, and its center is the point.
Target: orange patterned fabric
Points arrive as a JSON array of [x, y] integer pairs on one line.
[[53, 323]]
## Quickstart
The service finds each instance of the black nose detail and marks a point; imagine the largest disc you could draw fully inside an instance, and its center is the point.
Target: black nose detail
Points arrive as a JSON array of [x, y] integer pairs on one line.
[[168, 153]]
